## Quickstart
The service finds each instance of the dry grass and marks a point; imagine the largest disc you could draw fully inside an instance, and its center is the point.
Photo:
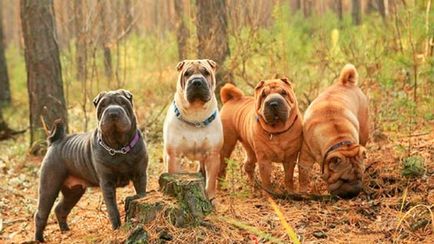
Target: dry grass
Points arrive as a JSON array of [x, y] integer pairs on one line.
[[381, 214]]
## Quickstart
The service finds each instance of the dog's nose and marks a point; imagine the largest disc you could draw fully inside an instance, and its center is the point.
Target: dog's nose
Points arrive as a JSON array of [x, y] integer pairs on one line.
[[274, 104], [112, 113], [197, 83]]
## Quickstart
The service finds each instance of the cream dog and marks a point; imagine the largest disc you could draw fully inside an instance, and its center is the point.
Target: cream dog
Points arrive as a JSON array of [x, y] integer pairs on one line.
[[192, 127]]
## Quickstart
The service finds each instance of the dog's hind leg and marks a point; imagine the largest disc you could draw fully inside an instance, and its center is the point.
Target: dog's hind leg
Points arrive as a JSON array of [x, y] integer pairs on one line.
[[202, 168], [70, 197], [250, 163], [51, 180], [305, 164], [230, 140]]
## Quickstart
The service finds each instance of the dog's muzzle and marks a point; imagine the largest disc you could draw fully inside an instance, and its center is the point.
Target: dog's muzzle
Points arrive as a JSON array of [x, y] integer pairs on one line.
[[346, 189], [113, 112], [114, 117], [276, 110], [198, 90]]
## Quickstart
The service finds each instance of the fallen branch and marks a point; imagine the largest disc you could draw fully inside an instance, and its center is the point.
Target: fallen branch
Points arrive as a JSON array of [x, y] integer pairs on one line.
[[9, 133]]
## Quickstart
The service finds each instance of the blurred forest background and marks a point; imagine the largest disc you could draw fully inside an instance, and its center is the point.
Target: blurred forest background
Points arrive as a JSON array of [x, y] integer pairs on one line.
[[96, 45]]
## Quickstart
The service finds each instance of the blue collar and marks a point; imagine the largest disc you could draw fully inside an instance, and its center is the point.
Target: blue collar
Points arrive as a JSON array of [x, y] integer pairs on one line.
[[198, 124]]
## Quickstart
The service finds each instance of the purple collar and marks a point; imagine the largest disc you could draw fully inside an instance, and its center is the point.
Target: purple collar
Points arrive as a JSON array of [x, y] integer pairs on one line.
[[123, 150]]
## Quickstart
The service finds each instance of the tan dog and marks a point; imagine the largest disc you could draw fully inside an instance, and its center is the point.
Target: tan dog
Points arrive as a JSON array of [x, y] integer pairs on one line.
[[192, 127], [269, 126], [336, 129]]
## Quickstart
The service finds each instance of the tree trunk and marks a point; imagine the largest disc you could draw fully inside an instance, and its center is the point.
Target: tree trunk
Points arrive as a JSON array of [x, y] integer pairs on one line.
[[383, 6], [295, 5], [211, 24], [128, 17], [3, 126], [307, 6], [182, 32], [356, 12], [5, 92], [80, 41], [339, 9], [44, 72], [105, 41]]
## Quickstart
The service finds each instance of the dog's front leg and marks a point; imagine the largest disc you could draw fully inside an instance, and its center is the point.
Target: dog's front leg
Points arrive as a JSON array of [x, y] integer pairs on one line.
[[170, 161], [140, 181], [265, 172], [109, 194], [212, 167], [288, 166]]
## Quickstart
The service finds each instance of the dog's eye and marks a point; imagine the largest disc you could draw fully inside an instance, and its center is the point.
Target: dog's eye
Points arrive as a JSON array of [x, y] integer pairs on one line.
[[335, 162], [205, 72], [101, 105], [263, 95], [187, 73], [283, 93]]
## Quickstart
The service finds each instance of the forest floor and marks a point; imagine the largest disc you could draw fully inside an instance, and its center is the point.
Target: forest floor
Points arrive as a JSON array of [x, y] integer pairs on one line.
[[392, 208]]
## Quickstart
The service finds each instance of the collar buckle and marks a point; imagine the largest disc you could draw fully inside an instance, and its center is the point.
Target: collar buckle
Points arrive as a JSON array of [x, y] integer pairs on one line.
[[198, 124]]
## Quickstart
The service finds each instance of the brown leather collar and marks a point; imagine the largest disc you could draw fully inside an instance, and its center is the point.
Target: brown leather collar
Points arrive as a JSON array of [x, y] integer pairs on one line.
[[280, 132], [332, 148]]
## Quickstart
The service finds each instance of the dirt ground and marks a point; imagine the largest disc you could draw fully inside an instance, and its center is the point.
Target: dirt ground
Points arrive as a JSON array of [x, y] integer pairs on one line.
[[392, 208]]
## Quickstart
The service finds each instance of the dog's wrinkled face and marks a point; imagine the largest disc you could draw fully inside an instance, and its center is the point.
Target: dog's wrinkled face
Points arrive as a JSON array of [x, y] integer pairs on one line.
[[197, 80], [343, 171], [114, 110], [274, 100]]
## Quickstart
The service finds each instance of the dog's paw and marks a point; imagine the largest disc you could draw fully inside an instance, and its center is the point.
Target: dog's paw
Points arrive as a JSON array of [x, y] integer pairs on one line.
[[214, 203], [116, 224], [64, 227], [39, 238]]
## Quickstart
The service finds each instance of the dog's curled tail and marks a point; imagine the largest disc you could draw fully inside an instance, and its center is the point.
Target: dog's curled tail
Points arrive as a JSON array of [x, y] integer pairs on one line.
[[58, 131], [230, 92], [349, 75]]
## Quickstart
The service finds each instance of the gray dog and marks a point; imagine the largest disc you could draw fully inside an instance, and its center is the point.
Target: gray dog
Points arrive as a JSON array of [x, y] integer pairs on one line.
[[109, 157]]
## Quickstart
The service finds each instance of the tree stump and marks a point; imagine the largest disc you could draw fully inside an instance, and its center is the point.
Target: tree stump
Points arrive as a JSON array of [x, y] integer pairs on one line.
[[137, 236], [184, 202], [189, 190]]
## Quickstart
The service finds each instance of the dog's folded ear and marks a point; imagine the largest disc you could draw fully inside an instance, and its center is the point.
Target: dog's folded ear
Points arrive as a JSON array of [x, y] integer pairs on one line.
[[212, 63], [127, 94], [180, 65], [98, 97], [362, 152], [260, 85], [286, 81]]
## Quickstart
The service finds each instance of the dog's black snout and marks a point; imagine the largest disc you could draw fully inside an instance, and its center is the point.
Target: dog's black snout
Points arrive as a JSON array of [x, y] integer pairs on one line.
[[274, 104], [113, 113], [197, 82]]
